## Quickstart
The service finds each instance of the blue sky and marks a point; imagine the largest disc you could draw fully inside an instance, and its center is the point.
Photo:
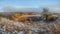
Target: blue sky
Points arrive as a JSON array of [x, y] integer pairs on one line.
[[29, 3]]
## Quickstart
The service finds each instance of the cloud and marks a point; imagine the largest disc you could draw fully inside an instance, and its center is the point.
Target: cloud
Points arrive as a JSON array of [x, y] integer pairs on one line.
[[18, 9], [55, 9]]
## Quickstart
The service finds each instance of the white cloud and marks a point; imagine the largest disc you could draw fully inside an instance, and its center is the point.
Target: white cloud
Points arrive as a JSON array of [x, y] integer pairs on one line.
[[55, 8], [18, 9]]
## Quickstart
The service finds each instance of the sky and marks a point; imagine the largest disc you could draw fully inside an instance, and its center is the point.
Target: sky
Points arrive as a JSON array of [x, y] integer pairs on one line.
[[29, 3]]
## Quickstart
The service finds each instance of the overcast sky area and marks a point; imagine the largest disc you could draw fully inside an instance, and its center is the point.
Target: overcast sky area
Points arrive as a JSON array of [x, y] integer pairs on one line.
[[18, 4]]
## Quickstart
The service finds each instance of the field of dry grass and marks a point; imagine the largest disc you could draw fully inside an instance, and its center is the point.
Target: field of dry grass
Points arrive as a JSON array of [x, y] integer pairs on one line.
[[14, 27]]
